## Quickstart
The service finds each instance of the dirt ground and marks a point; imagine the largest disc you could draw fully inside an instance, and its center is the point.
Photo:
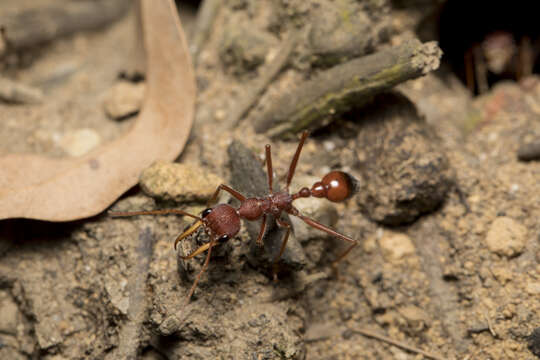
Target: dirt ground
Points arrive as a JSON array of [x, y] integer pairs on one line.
[[446, 215]]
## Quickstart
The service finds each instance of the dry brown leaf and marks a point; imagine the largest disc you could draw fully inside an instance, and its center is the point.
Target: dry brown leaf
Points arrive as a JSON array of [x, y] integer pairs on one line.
[[35, 187]]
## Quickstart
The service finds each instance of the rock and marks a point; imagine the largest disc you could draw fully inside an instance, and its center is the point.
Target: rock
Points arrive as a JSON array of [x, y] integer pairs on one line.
[[178, 182], [529, 150], [533, 288], [342, 30], [169, 326], [9, 314], [7, 351], [124, 99], [243, 48], [243, 162], [116, 290], [396, 246], [404, 171], [533, 341], [416, 318], [320, 331], [80, 142], [506, 237]]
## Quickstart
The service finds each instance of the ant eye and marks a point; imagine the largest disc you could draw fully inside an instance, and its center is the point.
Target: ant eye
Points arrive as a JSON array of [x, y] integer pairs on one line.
[[206, 212], [223, 238]]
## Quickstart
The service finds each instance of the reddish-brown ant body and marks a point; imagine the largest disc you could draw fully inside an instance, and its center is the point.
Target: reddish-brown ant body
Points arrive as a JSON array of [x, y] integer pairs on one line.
[[222, 222]]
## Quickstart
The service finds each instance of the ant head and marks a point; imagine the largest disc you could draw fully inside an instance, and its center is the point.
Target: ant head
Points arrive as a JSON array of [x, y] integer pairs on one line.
[[222, 221]]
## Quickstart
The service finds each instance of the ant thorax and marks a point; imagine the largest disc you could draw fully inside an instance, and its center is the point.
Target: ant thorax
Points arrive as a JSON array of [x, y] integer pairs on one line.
[[280, 201]]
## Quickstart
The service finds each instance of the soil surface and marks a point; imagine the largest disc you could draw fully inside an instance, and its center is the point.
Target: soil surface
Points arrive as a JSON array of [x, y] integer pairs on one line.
[[446, 215]]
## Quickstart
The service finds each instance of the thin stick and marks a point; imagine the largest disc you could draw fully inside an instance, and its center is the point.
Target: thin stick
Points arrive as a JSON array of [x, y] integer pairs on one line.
[[34, 26], [268, 73], [332, 92], [480, 70], [206, 16], [294, 161], [396, 343], [469, 71], [490, 324], [12, 91]]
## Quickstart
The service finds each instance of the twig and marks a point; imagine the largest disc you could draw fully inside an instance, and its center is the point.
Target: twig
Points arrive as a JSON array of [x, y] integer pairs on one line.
[[480, 70], [129, 335], [345, 86], [399, 344], [205, 20], [35, 26], [490, 324], [14, 92], [268, 74]]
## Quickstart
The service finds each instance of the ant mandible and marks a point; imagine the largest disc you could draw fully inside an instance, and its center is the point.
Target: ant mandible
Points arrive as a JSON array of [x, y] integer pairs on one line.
[[222, 222]]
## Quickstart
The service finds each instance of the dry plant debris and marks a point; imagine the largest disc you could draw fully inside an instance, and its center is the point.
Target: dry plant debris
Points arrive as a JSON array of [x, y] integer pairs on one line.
[[36, 187]]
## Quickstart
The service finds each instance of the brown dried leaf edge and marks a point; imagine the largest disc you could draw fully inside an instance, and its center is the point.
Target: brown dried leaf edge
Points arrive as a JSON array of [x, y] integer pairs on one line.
[[36, 187]]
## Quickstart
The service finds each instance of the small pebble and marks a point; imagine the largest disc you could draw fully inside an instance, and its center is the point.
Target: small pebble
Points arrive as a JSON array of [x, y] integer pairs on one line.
[[124, 99], [396, 246], [116, 295], [529, 151], [533, 288], [244, 49], [178, 182], [416, 318], [169, 326], [506, 237], [79, 142]]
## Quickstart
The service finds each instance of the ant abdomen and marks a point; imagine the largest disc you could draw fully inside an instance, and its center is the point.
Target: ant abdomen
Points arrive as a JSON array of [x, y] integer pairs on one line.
[[335, 186]]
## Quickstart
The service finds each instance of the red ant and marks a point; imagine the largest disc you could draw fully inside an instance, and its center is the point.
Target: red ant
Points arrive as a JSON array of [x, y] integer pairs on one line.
[[222, 222]]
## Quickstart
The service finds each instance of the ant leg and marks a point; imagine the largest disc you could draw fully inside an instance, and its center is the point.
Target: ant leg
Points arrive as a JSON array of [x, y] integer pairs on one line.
[[261, 232], [282, 248], [228, 189], [152, 212], [269, 169], [327, 230], [294, 161], [203, 269]]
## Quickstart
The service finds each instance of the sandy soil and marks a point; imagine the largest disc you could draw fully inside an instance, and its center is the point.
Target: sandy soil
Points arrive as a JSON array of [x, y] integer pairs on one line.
[[462, 280]]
